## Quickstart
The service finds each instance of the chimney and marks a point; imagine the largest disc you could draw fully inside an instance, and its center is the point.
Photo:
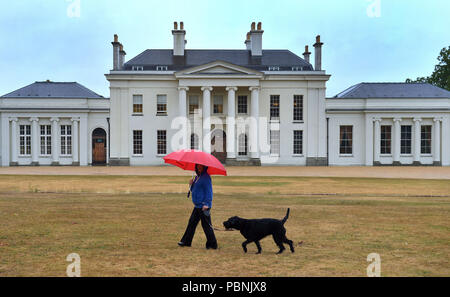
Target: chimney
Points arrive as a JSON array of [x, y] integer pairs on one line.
[[116, 49], [306, 54], [247, 42], [122, 54], [179, 41], [256, 39], [318, 54]]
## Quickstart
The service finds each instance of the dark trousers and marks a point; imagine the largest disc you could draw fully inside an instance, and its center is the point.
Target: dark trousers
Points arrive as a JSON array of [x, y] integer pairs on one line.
[[196, 216]]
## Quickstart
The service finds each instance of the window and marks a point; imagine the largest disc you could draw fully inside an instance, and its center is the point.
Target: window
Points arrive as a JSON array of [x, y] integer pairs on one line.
[[194, 142], [193, 104], [25, 140], [346, 140], [275, 142], [298, 108], [137, 142], [137, 104], [162, 142], [298, 142], [297, 68], [274, 68], [386, 140], [46, 140], [137, 68], [275, 107], [242, 105], [243, 145], [405, 141], [161, 104], [161, 68], [66, 140], [218, 104], [425, 140]]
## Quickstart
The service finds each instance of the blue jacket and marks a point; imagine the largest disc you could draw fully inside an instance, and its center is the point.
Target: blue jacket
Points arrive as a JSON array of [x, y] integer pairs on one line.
[[202, 193]]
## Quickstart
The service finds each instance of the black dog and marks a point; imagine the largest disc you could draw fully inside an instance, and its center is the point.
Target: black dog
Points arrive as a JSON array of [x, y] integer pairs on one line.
[[255, 230]]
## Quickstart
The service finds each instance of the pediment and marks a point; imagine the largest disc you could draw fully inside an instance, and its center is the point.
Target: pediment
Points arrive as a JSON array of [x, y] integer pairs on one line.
[[218, 68]]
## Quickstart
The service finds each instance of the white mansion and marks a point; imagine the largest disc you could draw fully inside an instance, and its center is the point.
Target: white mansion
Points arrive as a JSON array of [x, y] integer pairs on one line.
[[246, 107]]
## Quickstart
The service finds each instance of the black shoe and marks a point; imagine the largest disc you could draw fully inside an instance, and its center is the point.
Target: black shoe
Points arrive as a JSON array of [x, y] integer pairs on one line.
[[214, 247], [183, 244]]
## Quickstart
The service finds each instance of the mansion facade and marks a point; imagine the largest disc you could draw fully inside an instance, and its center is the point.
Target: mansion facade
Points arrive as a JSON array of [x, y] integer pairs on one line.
[[246, 107]]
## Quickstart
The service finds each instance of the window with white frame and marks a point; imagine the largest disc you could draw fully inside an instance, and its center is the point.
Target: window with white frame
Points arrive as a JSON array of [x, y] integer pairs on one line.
[[385, 140], [274, 68], [298, 108], [193, 104], [161, 104], [66, 140], [242, 107], [137, 104], [137, 68], [242, 145], [275, 107], [25, 140], [161, 142], [297, 68], [298, 142], [161, 68], [406, 140], [346, 140], [194, 142], [218, 104], [425, 139], [275, 142], [137, 142], [46, 140]]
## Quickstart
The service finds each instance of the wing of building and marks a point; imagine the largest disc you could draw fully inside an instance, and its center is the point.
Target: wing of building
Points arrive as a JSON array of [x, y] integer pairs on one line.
[[247, 106]]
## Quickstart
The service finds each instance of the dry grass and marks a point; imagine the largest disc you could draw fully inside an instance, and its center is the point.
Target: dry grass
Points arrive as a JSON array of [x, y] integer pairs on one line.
[[124, 226]]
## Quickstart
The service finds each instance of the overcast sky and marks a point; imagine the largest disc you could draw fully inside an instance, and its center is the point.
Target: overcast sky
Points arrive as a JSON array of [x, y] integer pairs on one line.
[[364, 40]]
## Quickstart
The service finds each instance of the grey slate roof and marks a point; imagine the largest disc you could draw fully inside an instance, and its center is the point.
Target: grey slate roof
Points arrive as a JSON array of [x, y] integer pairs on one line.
[[49, 89], [393, 90], [285, 59]]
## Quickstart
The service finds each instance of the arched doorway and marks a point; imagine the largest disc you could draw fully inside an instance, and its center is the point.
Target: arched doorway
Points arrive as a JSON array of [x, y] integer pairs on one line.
[[219, 145], [99, 147]]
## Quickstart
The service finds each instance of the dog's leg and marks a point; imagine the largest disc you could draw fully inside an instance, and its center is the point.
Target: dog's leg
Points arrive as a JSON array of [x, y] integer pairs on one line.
[[244, 245], [291, 245], [258, 246], [279, 241]]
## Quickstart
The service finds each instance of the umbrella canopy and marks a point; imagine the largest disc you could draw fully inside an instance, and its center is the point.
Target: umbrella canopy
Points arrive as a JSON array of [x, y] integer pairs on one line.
[[186, 159]]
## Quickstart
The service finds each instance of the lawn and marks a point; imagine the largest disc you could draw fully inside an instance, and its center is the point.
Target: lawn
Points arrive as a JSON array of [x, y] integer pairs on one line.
[[130, 226]]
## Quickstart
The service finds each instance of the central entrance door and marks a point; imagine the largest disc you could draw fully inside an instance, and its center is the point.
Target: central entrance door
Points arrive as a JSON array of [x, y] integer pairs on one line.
[[99, 147], [219, 145]]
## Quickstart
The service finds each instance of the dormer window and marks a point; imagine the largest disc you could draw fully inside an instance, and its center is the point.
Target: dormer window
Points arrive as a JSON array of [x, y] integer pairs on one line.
[[274, 68], [137, 68], [297, 68], [161, 68]]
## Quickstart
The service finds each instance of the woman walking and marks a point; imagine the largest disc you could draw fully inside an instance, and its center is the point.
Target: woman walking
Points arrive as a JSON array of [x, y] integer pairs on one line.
[[202, 195]]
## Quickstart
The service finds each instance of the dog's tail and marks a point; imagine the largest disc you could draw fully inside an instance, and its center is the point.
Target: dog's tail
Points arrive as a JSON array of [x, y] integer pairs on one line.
[[286, 217]]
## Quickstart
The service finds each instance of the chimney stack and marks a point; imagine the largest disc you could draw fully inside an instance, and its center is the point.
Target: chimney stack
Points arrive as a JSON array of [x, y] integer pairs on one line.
[[179, 41], [122, 54], [318, 54], [247, 42], [116, 49], [256, 39], [307, 54]]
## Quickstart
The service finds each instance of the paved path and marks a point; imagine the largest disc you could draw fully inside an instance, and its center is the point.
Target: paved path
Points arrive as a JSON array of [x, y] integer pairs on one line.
[[376, 172]]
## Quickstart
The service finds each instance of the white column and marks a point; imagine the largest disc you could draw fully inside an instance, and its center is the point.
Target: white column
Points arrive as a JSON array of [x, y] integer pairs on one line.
[[437, 141], [417, 140], [231, 123], [55, 141], [396, 148], [377, 140], [206, 114], [183, 115], [34, 141], [14, 137], [254, 144], [84, 148], [75, 158]]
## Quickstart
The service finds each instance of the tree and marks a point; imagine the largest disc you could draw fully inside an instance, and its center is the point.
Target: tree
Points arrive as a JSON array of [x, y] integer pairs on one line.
[[441, 75]]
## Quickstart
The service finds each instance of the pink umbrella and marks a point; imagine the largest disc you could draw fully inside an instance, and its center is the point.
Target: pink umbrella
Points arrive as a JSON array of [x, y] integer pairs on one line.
[[186, 159]]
